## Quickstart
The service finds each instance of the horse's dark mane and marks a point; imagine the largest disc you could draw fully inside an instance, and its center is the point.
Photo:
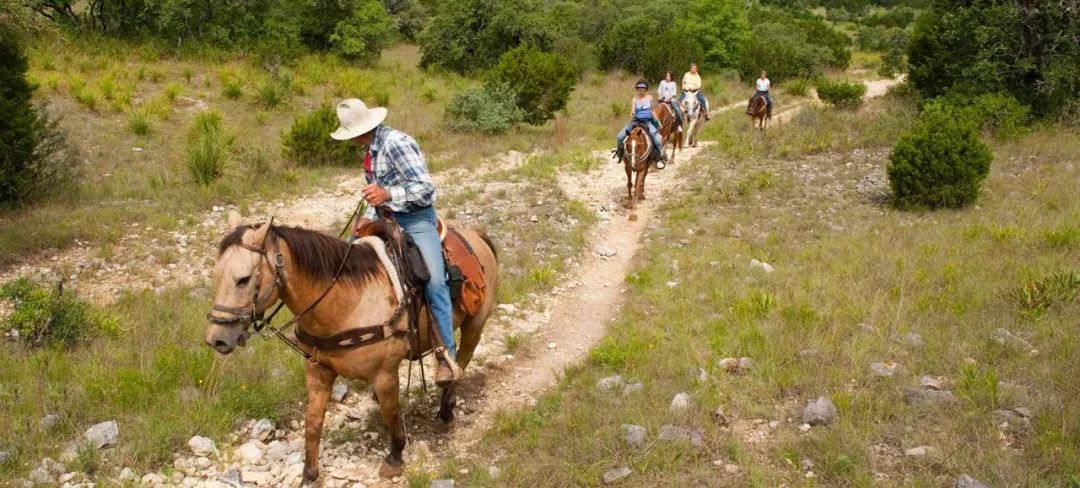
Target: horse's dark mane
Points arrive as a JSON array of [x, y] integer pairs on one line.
[[318, 255]]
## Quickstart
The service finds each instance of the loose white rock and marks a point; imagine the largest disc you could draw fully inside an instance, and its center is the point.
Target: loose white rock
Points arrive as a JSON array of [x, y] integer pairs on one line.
[[202, 446], [250, 452], [614, 475], [339, 392], [820, 412], [634, 434], [680, 402], [103, 434], [262, 430], [610, 383]]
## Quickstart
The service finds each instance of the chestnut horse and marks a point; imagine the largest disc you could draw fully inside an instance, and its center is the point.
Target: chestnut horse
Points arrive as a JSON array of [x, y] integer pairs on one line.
[[666, 115], [758, 110], [637, 157], [333, 286]]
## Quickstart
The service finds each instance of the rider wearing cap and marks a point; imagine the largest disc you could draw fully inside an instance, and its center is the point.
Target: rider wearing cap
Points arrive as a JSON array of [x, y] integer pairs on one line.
[[641, 111]]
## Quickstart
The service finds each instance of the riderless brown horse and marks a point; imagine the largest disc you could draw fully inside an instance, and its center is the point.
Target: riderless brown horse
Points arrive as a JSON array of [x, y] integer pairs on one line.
[[666, 115], [637, 157], [333, 286], [758, 110]]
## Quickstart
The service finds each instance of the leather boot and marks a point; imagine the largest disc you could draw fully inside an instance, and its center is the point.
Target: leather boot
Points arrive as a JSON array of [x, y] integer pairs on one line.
[[448, 371]]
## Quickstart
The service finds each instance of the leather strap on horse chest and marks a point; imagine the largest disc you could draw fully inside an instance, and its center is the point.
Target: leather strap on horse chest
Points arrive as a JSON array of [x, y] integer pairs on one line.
[[359, 336]]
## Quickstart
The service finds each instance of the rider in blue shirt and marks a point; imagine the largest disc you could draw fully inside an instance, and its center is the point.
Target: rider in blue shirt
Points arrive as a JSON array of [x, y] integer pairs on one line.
[[642, 105]]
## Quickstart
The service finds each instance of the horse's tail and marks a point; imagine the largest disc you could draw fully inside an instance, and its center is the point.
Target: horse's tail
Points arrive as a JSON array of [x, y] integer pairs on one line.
[[490, 244]]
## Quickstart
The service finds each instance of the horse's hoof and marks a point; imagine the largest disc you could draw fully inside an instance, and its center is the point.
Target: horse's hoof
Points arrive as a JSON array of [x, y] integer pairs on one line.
[[633, 217], [390, 471], [446, 415], [310, 478], [627, 206]]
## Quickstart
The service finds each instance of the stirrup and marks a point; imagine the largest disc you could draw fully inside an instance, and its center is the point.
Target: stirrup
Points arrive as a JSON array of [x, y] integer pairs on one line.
[[442, 355]]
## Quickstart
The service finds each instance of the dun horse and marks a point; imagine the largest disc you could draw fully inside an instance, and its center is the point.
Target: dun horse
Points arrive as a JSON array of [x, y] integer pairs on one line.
[[637, 157], [357, 290], [692, 118], [758, 110], [664, 113]]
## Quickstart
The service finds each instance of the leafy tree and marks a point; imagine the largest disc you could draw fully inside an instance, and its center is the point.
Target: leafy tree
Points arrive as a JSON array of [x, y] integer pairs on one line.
[[410, 16], [471, 35], [33, 158], [789, 45], [364, 34], [543, 81], [1029, 50], [720, 28]]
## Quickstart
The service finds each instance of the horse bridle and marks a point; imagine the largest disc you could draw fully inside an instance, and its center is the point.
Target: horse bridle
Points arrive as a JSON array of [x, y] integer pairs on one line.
[[253, 314]]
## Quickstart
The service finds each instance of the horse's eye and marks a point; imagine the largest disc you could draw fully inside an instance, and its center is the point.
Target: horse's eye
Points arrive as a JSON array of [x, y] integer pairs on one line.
[[242, 282]]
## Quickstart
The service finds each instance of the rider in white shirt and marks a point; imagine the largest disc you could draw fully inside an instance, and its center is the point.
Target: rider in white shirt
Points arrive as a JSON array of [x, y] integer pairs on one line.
[[763, 85], [666, 92]]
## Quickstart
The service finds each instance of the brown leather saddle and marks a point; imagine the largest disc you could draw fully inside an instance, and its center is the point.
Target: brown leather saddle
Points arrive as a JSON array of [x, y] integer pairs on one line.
[[465, 274]]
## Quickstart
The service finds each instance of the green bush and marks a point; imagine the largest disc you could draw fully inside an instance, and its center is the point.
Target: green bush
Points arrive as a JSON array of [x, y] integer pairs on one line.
[[995, 114], [940, 163], [542, 81], [672, 51], [308, 142], [209, 150], [999, 46], [34, 160], [53, 318], [841, 93], [409, 16], [364, 34], [490, 109], [719, 27]]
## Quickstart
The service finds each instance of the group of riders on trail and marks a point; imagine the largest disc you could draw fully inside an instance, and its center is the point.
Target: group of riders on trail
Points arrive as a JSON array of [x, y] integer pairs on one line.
[[398, 237], [642, 108]]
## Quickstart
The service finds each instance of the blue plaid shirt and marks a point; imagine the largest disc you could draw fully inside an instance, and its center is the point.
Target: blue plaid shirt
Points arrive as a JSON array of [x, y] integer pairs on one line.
[[398, 166]]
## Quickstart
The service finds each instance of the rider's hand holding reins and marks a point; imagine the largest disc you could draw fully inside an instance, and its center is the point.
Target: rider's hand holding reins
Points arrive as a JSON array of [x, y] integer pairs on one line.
[[375, 195]]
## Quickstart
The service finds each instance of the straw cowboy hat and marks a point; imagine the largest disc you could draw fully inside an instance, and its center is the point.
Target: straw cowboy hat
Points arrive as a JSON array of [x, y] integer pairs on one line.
[[357, 119]]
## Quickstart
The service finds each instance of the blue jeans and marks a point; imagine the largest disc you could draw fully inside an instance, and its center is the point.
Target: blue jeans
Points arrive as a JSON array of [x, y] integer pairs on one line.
[[653, 133], [768, 99], [420, 225], [700, 98]]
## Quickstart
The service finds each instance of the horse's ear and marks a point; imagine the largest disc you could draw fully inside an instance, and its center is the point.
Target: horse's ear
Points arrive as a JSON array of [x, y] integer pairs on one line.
[[256, 239], [233, 220]]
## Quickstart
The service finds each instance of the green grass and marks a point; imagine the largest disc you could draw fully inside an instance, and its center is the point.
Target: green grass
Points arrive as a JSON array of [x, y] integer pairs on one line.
[[157, 380], [814, 325], [139, 121]]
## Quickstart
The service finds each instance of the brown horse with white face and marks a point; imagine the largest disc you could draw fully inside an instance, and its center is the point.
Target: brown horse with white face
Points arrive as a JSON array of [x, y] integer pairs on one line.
[[637, 157], [260, 265]]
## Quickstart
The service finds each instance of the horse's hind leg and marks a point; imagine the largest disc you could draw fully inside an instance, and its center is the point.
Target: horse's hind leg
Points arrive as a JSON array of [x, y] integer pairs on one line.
[[319, 382], [386, 387]]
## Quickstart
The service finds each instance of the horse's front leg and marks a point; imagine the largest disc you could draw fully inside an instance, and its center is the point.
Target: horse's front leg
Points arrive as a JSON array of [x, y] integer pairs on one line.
[[320, 381], [386, 387]]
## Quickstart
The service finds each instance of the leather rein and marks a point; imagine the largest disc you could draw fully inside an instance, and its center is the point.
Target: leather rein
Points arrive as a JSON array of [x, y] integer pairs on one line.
[[253, 314]]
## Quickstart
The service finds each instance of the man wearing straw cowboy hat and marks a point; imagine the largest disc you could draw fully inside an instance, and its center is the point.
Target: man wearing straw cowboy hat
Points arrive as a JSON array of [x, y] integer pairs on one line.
[[398, 179]]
